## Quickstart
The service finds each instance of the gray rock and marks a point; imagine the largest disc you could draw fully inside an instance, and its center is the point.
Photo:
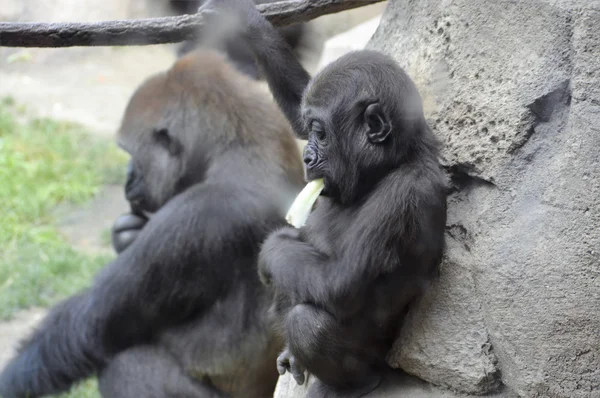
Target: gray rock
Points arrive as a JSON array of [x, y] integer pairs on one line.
[[513, 90], [351, 40], [456, 351], [329, 26], [394, 386]]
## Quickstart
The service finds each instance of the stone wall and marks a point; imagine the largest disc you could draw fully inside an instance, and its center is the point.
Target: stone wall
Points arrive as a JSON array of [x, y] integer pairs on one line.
[[513, 89]]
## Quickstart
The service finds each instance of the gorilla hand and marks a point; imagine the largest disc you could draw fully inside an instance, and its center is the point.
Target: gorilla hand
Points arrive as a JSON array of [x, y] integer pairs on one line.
[[287, 362], [125, 230], [273, 245]]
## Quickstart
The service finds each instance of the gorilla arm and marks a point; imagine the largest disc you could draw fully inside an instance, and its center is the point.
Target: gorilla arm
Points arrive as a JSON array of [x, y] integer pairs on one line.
[[146, 289], [285, 75], [303, 273], [400, 212]]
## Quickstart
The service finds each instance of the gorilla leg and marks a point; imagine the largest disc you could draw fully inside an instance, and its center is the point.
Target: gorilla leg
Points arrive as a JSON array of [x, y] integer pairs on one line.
[[332, 352], [150, 372]]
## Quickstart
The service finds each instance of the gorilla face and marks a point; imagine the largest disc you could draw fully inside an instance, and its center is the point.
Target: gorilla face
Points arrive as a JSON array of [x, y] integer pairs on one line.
[[342, 157], [156, 170], [357, 134], [315, 151]]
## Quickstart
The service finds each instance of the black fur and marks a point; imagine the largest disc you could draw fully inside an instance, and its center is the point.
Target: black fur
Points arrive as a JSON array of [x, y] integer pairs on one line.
[[217, 163], [345, 279]]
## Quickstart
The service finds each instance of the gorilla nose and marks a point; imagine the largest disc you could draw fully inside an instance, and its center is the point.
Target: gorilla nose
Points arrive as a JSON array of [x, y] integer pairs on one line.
[[310, 157]]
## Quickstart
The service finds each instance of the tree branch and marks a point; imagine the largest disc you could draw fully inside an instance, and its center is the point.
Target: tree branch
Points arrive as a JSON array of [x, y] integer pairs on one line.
[[155, 30]]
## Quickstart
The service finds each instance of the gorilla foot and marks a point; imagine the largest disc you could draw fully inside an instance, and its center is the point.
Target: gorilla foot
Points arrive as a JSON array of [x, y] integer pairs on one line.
[[322, 390]]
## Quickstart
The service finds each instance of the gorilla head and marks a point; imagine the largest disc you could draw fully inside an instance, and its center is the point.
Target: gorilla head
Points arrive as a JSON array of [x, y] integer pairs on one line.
[[371, 128], [169, 130], [166, 158]]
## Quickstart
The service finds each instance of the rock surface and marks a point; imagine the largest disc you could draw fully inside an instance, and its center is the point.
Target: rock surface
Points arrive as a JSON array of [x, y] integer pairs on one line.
[[513, 90], [395, 386], [351, 40]]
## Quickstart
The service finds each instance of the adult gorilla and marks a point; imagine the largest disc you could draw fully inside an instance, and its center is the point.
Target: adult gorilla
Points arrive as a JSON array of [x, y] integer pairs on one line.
[[181, 312]]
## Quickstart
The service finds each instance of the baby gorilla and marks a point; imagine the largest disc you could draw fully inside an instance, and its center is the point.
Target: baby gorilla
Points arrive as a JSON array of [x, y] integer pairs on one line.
[[343, 282]]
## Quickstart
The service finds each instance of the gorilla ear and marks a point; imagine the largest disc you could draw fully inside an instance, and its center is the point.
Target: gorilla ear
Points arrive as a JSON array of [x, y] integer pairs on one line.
[[164, 139], [377, 124]]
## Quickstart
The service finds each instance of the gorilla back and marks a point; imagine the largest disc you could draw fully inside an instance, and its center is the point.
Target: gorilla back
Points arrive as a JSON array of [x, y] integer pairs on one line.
[[181, 311]]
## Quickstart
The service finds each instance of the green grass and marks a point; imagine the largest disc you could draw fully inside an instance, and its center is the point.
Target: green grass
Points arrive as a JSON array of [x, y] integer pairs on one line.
[[86, 389], [44, 163]]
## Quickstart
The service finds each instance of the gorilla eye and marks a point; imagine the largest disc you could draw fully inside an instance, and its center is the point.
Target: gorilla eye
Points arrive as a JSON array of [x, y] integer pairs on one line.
[[162, 137], [318, 129]]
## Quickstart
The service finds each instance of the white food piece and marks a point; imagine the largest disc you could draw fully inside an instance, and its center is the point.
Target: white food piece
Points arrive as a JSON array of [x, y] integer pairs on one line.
[[300, 209]]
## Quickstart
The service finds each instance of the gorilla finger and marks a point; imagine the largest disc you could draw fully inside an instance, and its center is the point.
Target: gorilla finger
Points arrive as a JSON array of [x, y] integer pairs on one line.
[[283, 362], [128, 221], [281, 368], [299, 377], [297, 371]]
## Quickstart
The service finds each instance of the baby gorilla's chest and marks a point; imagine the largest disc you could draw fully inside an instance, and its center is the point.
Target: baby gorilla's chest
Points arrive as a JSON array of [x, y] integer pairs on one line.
[[330, 230]]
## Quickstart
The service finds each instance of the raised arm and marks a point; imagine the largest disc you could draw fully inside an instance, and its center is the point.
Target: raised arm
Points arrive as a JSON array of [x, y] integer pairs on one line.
[[286, 77]]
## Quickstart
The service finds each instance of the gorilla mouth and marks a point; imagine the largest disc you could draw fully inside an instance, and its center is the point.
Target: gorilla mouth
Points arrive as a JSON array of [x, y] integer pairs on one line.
[[137, 205], [325, 189], [329, 189], [312, 176], [304, 203], [141, 208]]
